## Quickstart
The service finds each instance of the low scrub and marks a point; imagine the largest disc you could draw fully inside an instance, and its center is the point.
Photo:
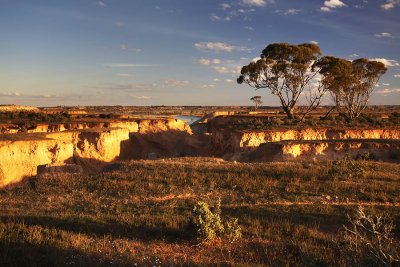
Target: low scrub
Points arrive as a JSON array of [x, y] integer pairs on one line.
[[348, 168], [369, 240], [210, 227]]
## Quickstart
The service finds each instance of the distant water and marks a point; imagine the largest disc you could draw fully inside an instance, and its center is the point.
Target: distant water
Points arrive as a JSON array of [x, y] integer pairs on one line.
[[188, 119]]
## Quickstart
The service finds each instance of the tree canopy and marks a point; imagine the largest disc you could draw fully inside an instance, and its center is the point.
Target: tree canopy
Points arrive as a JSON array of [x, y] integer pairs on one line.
[[257, 100], [350, 83], [288, 71], [285, 69]]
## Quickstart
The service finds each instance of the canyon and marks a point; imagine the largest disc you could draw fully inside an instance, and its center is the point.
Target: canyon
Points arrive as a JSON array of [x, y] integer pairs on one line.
[[94, 144], [91, 145]]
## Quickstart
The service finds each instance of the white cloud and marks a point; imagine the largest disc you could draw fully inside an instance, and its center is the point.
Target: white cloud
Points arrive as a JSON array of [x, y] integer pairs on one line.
[[354, 55], [207, 85], [234, 69], [229, 81], [396, 75], [176, 83], [219, 47], [383, 35], [313, 42], [127, 65], [387, 62], [249, 28], [126, 47], [27, 96], [101, 3], [225, 6], [243, 11], [123, 74], [386, 84], [216, 61], [292, 11], [206, 61], [224, 66], [332, 4], [325, 9], [214, 17], [390, 4], [13, 94], [258, 3], [130, 87], [388, 91], [142, 97], [221, 69]]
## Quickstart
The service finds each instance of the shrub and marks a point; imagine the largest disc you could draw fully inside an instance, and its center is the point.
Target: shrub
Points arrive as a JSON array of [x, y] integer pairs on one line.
[[347, 167], [233, 230], [210, 226], [208, 223], [369, 239]]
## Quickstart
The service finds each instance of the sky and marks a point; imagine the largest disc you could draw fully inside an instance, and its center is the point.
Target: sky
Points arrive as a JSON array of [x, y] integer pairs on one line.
[[177, 52]]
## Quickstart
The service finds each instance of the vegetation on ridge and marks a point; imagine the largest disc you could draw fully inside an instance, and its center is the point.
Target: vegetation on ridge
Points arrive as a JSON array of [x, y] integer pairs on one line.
[[290, 71]]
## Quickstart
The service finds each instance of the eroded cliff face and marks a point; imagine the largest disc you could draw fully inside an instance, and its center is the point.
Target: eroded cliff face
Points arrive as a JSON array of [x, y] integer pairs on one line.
[[236, 141], [134, 126], [16, 108], [20, 158], [147, 126], [97, 144], [21, 154], [326, 150], [93, 148], [91, 145]]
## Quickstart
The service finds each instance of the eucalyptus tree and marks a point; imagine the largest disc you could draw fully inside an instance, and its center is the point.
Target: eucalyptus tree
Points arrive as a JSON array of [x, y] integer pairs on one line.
[[286, 71], [256, 100], [350, 83]]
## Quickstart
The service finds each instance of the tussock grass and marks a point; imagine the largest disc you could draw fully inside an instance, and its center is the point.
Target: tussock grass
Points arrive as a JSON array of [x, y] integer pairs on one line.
[[139, 212]]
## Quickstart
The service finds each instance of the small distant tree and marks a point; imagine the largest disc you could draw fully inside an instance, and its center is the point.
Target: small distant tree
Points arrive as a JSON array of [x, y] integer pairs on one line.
[[286, 70], [350, 83], [257, 101]]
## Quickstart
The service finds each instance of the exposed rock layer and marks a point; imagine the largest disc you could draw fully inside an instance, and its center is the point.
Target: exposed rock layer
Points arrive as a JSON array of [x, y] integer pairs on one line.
[[21, 154], [228, 141], [93, 144], [20, 159], [134, 126], [388, 150]]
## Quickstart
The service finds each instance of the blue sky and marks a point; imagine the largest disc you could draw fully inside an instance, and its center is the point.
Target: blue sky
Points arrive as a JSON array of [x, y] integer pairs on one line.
[[177, 52]]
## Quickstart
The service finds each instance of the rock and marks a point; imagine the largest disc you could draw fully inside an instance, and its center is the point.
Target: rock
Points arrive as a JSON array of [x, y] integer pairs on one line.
[[66, 168], [152, 155]]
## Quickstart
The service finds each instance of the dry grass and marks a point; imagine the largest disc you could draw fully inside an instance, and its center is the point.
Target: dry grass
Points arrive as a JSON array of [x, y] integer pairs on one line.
[[139, 212]]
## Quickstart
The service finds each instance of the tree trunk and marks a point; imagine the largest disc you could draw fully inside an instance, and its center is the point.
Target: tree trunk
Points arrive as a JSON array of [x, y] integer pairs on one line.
[[329, 112], [289, 112]]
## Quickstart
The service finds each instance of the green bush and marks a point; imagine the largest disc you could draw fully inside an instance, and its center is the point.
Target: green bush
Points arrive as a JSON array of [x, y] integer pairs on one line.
[[233, 230], [209, 225]]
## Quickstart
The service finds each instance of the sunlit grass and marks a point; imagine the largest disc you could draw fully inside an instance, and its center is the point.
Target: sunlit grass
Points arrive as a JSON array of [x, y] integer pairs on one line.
[[140, 212]]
